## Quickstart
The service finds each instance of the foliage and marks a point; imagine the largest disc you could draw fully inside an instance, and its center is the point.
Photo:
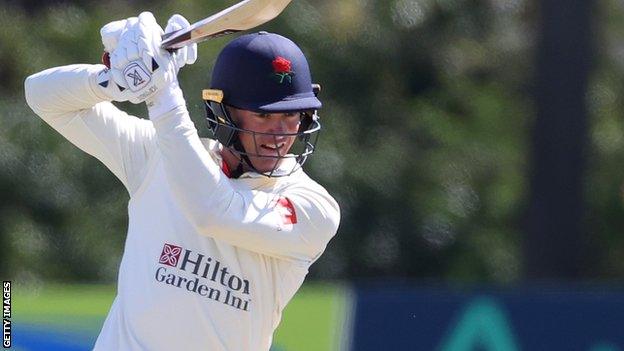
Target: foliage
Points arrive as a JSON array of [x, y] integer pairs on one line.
[[427, 114]]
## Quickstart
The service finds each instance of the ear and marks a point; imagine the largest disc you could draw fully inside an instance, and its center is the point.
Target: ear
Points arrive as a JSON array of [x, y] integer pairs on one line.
[[235, 115]]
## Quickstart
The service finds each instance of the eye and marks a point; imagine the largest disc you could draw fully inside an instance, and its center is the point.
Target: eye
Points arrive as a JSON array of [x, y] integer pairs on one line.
[[262, 115]]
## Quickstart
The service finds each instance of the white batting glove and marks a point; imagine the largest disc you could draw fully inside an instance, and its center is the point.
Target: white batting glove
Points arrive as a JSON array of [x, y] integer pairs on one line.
[[171, 97], [139, 69], [110, 33], [136, 60]]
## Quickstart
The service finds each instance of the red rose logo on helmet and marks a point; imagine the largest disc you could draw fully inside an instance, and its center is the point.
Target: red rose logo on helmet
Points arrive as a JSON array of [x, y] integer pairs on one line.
[[283, 70]]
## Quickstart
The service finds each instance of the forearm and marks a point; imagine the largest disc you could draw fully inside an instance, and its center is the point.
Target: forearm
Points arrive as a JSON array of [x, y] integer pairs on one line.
[[195, 178], [201, 190], [247, 219], [69, 100], [64, 89]]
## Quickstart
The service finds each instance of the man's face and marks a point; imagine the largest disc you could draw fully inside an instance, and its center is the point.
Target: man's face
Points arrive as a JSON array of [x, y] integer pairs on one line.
[[263, 144]]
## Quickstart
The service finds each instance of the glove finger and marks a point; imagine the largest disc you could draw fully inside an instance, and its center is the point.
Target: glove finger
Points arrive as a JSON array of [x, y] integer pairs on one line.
[[131, 22], [157, 35], [129, 32], [127, 46], [146, 52], [110, 34], [150, 36], [188, 54], [118, 58], [191, 54], [132, 51], [147, 19], [151, 63], [172, 27], [177, 22], [180, 57], [150, 31]]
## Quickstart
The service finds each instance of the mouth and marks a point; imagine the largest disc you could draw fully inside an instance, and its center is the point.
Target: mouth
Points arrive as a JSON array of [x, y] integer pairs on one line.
[[273, 147]]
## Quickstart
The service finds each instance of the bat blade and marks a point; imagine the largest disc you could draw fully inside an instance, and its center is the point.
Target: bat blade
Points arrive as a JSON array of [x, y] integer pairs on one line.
[[244, 15]]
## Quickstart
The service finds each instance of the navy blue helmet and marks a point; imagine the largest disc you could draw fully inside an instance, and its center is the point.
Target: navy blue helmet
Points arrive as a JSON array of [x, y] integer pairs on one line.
[[265, 73]]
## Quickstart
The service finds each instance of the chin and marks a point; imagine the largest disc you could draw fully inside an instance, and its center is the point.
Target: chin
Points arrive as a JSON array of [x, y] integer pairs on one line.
[[264, 166]]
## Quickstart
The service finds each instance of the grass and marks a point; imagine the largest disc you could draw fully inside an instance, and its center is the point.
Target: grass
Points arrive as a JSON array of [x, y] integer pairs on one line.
[[79, 308], [313, 320]]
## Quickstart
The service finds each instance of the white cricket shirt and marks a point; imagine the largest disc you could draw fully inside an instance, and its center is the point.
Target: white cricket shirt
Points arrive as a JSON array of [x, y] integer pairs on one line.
[[209, 262]]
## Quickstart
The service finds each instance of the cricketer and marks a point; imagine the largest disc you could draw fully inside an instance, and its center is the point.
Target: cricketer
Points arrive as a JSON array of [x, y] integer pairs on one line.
[[221, 232]]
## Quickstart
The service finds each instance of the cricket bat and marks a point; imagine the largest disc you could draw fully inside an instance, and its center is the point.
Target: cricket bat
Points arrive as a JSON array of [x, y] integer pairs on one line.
[[244, 15]]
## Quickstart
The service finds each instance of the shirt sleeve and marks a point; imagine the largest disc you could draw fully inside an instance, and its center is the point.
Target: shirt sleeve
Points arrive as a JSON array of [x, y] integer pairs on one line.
[[294, 225], [68, 99]]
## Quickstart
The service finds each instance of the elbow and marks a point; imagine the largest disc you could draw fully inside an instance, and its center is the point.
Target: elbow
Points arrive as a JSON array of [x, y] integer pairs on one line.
[[325, 230], [40, 92], [31, 93], [319, 218], [331, 220]]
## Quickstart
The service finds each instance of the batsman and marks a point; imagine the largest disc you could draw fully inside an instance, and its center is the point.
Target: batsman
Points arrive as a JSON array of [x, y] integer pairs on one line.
[[221, 231]]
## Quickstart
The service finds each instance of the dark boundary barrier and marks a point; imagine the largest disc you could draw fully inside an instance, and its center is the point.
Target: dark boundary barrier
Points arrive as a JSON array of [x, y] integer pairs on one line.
[[541, 318]]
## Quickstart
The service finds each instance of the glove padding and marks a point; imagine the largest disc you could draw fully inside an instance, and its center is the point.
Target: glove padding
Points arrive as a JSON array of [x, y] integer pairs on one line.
[[140, 69], [110, 34]]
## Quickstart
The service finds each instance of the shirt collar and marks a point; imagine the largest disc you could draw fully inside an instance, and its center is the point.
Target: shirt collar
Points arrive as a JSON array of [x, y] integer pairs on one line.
[[215, 148]]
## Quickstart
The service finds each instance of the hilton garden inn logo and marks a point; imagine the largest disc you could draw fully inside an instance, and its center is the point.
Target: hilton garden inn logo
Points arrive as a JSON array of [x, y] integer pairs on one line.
[[202, 275]]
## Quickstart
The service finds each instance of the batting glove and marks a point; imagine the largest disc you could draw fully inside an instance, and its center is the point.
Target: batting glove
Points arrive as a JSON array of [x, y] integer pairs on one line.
[[110, 34], [140, 69]]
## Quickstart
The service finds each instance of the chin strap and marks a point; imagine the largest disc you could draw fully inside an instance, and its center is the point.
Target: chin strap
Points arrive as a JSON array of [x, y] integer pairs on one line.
[[238, 146], [242, 160], [238, 171]]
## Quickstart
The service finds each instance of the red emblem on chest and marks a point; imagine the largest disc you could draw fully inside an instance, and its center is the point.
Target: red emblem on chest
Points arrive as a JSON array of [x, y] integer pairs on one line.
[[286, 210], [170, 255]]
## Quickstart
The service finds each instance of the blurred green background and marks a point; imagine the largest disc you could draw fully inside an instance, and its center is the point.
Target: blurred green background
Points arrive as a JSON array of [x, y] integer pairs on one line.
[[426, 141], [429, 115]]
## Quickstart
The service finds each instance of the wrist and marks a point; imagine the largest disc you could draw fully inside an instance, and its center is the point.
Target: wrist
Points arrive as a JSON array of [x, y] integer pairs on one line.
[[168, 99], [99, 82]]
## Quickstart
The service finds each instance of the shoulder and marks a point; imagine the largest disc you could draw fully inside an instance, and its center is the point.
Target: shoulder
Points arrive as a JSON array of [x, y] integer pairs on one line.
[[300, 180], [209, 144], [213, 147]]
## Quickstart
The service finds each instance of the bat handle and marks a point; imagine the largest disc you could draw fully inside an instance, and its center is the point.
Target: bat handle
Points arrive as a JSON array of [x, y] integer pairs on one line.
[[167, 35], [106, 59], [106, 55]]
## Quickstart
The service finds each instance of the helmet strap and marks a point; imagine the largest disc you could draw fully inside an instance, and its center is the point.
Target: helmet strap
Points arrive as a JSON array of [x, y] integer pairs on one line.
[[239, 152]]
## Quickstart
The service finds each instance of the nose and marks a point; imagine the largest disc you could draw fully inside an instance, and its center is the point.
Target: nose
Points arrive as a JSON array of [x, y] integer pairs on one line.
[[279, 124]]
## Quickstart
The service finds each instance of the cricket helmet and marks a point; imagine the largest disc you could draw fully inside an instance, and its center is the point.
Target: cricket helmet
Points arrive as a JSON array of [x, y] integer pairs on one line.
[[265, 73]]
